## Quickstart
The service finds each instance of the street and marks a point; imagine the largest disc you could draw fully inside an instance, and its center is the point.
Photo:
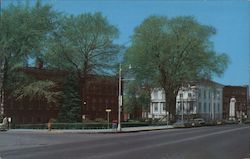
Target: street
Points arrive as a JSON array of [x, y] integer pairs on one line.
[[218, 142]]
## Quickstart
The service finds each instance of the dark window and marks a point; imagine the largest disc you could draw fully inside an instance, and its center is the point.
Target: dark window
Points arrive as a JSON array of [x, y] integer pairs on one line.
[[205, 107]]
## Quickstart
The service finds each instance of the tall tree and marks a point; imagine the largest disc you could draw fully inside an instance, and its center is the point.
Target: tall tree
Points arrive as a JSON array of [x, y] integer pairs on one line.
[[70, 111], [169, 53], [23, 29], [83, 44], [136, 97]]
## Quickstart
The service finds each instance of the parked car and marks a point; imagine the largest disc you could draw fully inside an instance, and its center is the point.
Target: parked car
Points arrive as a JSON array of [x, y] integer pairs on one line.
[[231, 122], [182, 124], [4, 125], [220, 122], [200, 121]]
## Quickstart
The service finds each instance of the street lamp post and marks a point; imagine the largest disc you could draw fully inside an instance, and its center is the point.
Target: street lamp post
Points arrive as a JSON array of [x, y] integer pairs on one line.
[[182, 107], [120, 95], [212, 106], [119, 98], [2, 62]]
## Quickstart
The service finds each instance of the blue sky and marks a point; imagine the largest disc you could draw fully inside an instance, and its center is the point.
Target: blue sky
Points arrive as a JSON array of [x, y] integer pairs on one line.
[[231, 18]]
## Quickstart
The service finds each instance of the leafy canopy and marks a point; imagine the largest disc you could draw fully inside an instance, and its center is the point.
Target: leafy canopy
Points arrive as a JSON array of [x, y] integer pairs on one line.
[[23, 32], [178, 48], [83, 43], [168, 53]]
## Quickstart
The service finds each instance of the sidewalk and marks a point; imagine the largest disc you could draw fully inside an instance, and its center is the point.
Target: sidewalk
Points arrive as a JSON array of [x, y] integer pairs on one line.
[[124, 130]]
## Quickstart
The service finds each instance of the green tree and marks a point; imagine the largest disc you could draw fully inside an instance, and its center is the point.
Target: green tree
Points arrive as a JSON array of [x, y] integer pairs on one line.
[[136, 96], [70, 111], [169, 53], [23, 31], [84, 44], [39, 90]]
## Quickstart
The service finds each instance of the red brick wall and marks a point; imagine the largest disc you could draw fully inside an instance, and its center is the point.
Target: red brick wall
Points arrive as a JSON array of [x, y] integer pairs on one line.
[[240, 93], [101, 92]]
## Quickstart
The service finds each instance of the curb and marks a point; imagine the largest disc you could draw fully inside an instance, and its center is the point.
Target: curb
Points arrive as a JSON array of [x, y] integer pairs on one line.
[[91, 131]]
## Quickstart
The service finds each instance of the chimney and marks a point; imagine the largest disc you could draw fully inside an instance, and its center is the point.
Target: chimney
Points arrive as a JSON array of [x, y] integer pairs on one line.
[[39, 63]]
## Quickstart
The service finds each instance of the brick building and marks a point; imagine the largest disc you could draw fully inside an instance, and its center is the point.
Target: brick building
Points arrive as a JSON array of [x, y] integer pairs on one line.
[[33, 111], [101, 92], [248, 108], [240, 93]]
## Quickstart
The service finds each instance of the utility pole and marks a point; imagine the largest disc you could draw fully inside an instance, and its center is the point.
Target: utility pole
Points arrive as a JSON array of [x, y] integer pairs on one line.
[[2, 63], [182, 107], [212, 105], [119, 98]]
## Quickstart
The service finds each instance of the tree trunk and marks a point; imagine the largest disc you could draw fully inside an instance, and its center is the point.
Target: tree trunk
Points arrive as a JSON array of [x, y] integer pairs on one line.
[[172, 108], [170, 98], [1, 87], [3, 76]]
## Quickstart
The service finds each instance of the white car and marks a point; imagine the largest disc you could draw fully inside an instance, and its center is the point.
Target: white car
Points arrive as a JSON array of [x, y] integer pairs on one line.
[[200, 121], [4, 124]]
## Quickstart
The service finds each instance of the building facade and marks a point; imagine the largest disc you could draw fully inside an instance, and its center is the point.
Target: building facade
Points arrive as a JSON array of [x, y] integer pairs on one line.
[[240, 93], [209, 100], [100, 93], [35, 110], [201, 99], [186, 102], [248, 108], [157, 106]]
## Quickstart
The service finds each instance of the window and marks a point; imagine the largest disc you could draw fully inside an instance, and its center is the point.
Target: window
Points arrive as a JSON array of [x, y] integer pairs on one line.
[[205, 107], [159, 94], [209, 107], [164, 106], [199, 108], [205, 94], [163, 95], [154, 94], [218, 95], [155, 107], [189, 94], [181, 95]]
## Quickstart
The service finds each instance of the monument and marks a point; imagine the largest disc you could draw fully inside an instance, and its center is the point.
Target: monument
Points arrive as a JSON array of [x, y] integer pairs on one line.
[[232, 109]]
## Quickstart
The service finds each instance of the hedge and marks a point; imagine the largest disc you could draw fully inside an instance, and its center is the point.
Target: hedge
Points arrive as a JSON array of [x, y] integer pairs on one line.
[[82, 125]]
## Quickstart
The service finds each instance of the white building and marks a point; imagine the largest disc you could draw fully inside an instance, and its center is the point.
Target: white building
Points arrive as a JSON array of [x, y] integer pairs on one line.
[[157, 105], [210, 100], [202, 99], [186, 101]]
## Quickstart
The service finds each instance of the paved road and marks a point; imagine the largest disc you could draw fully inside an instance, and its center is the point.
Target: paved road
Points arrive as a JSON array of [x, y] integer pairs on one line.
[[227, 142]]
